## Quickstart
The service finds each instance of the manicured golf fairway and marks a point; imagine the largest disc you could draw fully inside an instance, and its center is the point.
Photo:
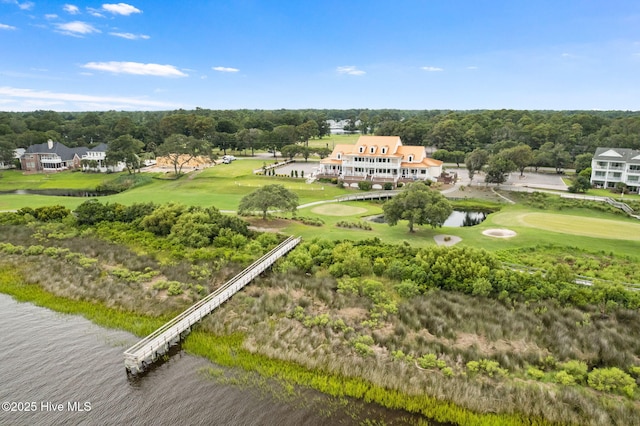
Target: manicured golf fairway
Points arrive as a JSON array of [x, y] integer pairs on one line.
[[569, 224]]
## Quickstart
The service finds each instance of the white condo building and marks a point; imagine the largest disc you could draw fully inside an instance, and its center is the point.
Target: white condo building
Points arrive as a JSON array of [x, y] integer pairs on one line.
[[612, 165]]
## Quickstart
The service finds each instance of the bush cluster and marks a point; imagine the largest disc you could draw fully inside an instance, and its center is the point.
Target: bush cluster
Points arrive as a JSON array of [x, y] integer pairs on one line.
[[462, 269], [189, 226], [359, 225]]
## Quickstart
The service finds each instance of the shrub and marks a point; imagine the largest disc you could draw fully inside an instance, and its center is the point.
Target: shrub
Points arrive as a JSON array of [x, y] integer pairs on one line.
[[535, 373], [564, 378], [431, 361], [361, 225], [174, 289], [487, 367], [161, 285], [362, 345], [447, 371], [51, 213], [365, 185], [611, 380], [34, 250], [576, 369], [387, 186], [407, 288]]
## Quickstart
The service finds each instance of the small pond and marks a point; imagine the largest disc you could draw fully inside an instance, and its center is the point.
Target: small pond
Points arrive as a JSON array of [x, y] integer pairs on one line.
[[460, 218], [60, 192], [456, 219]]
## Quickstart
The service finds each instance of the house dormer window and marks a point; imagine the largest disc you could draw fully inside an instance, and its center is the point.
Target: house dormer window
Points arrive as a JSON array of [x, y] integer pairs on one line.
[[384, 149], [339, 156], [372, 149], [361, 150], [411, 158]]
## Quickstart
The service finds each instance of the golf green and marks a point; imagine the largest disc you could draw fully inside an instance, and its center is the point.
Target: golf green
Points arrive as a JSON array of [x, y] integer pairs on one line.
[[336, 209], [570, 224]]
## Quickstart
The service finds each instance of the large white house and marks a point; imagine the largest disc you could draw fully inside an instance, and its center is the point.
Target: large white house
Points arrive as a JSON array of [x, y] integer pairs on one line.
[[380, 159], [95, 159], [612, 165]]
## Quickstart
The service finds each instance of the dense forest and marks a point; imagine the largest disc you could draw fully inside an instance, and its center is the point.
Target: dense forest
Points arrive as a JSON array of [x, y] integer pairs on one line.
[[578, 132]]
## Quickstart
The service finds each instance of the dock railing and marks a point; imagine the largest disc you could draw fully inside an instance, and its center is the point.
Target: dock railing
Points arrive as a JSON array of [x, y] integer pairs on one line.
[[157, 343]]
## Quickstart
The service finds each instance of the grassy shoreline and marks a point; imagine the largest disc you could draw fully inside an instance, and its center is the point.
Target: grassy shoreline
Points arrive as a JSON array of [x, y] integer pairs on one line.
[[228, 351]]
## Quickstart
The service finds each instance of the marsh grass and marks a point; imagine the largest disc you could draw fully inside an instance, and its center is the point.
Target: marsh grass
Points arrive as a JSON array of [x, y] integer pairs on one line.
[[12, 283], [306, 328]]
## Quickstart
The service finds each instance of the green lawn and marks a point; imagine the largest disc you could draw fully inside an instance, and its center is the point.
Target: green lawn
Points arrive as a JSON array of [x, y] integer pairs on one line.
[[223, 186], [16, 179], [331, 141], [615, 196], [594, 231]]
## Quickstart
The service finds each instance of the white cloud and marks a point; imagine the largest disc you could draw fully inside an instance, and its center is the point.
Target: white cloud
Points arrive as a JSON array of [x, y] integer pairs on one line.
[[26, 5], [7, 27], [432, 69], [23, 6], [350, 70], [130, 36], [225, 69], [136, 68], [95, 12], [77, 28], [51, 16], [71, 9], [32, 98], [120, 9], [472, 67]]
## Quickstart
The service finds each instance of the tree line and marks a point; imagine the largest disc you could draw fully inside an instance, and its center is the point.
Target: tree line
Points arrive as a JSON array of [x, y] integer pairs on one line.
[[558, 136]]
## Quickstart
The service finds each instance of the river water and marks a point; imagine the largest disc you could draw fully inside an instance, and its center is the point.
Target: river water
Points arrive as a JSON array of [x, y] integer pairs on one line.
[[66, 370]]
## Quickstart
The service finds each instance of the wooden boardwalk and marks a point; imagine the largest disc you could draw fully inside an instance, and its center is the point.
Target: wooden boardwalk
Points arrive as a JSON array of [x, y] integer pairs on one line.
[[378, 195], [141, 355]]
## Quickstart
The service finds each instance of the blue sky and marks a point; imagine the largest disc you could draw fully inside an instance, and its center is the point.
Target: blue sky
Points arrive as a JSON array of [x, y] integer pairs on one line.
[[270, 54]]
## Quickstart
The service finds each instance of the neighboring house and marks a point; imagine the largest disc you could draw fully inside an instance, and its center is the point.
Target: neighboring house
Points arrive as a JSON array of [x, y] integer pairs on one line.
[[51, 157], [612, 165], [17, 153], [95, 159], [379, 159], [336, 127]]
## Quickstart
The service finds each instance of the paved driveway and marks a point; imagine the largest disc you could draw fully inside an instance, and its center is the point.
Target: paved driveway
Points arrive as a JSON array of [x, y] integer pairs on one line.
[[308, 168], [529, 179]]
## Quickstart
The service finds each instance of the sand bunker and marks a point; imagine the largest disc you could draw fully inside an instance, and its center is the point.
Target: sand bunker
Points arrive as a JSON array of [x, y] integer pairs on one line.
[[499, 233], [446, 240]]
